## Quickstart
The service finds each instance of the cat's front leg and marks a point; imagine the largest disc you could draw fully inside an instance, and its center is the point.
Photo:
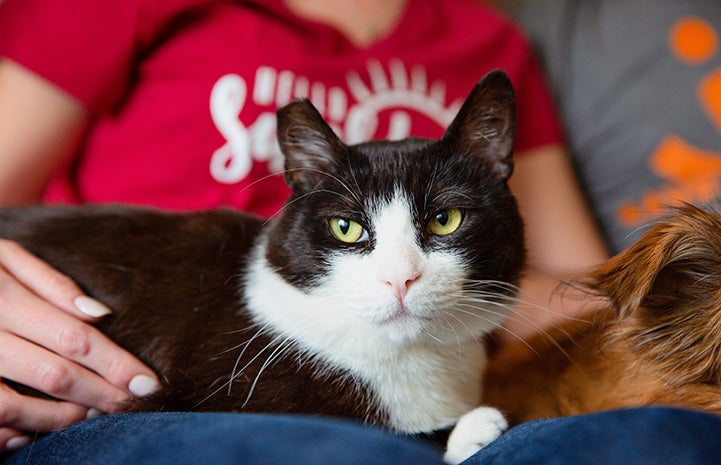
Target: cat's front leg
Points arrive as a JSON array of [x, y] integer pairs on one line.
[[475, 430]]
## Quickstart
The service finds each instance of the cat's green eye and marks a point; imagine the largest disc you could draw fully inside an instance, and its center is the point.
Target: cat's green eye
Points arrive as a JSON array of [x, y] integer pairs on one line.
[[445, 222], [347, 231]]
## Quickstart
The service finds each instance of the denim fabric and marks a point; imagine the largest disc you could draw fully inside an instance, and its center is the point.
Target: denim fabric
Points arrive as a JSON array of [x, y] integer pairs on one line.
[[653, 436], [222, 439], [637, 436]]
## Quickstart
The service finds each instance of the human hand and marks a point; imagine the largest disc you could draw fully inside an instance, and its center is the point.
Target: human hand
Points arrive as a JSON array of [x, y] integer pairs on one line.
[[47, 343]]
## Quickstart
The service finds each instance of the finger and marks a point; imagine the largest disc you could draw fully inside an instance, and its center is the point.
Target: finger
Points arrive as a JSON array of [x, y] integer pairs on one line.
[[38, 321], [47, 282], [33, 366], [24, 413], [12, 439], [17, 442]]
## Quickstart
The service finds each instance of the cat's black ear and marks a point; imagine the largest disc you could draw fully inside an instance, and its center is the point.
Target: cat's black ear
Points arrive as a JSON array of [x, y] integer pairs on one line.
[[486, 124], [310, 146]]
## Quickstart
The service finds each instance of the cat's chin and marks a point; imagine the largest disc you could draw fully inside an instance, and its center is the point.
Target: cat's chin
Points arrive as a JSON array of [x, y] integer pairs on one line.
[[404, 328], [407, 327], [404, 333]]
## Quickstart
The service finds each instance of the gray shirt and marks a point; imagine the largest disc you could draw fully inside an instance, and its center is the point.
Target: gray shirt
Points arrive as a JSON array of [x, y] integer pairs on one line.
[[638, 84]]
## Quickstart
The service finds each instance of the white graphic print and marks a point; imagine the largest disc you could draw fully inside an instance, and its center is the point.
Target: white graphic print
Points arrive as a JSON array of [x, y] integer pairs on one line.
[[231, 162], [397, 92], [397, 96]]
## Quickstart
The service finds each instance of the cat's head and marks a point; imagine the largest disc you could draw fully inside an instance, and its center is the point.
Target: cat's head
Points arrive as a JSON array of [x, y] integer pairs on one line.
[[666, 290], [417, 238]]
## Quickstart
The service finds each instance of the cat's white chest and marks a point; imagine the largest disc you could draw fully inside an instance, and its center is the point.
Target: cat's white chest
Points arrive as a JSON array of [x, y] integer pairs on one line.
[[426, 389]]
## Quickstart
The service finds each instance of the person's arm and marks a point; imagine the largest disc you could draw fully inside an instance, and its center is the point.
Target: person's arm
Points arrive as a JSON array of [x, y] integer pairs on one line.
[[46, 341], [39, 126], [562, 240]]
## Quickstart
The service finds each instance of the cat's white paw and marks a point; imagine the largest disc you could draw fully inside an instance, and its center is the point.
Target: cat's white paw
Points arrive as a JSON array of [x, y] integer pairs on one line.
[[475, 430]]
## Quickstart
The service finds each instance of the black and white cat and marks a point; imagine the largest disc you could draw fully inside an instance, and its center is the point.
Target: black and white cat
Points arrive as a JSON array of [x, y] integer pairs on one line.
[[365, 297]]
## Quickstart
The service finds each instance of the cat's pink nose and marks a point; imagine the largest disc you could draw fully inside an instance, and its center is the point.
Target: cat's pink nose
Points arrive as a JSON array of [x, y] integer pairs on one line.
[[401, 285]]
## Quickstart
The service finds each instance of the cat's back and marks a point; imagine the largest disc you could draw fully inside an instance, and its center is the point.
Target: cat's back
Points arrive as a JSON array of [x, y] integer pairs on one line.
[[92, 224], [123, 256], [110, 230]]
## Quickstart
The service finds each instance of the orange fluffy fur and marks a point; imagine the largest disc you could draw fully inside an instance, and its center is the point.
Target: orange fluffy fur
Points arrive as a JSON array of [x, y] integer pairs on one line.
[[659, 343]]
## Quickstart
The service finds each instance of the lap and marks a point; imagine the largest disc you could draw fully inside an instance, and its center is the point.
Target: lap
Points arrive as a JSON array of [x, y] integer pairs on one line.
[[222, 439], [638, 436]]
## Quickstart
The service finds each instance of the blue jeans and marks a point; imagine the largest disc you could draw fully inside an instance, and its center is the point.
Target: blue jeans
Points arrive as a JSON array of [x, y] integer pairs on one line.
[[638, 436], [222, 439], [646, 436]]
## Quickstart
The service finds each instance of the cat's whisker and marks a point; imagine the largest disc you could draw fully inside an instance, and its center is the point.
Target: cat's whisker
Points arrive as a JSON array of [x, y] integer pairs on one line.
[[238, 331], [483, 305], [352, 172], [520, 302], [514, 306], [235, 374], [247, 344], [430, 335], [503, 329], [494, 284], [281, 348], [448, 325], [458, 338], [518, 310], [299, 198], [432, 183], [284, 345], [353, 194], [516, 314], [530, 305], [484, 301], [440, 198], [524, 319], [259, 180], [491, 295], [273, 175], [477, 312], [231, 278]]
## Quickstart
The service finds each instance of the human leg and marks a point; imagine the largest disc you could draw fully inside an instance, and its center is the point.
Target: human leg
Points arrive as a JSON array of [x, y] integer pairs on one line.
[[636, 436], [221, 439]]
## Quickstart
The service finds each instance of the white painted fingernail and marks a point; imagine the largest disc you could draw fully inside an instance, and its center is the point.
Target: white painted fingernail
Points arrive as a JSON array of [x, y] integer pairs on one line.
[[143, 385], [91, 307], [93, 413], [18, 442]]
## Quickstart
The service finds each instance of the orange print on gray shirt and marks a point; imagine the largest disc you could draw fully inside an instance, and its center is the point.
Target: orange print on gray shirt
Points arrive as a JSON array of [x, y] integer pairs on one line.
[[692, 174]]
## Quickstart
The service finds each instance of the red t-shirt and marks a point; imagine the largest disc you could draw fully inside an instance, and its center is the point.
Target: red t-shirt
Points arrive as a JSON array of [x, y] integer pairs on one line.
[[183, 92]]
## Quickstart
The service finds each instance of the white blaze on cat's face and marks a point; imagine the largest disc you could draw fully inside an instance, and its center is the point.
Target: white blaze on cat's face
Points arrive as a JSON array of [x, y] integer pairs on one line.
[[397, 287]]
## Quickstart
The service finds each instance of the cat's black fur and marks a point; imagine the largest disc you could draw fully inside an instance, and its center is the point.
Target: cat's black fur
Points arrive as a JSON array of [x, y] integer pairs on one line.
[[175, 280]]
